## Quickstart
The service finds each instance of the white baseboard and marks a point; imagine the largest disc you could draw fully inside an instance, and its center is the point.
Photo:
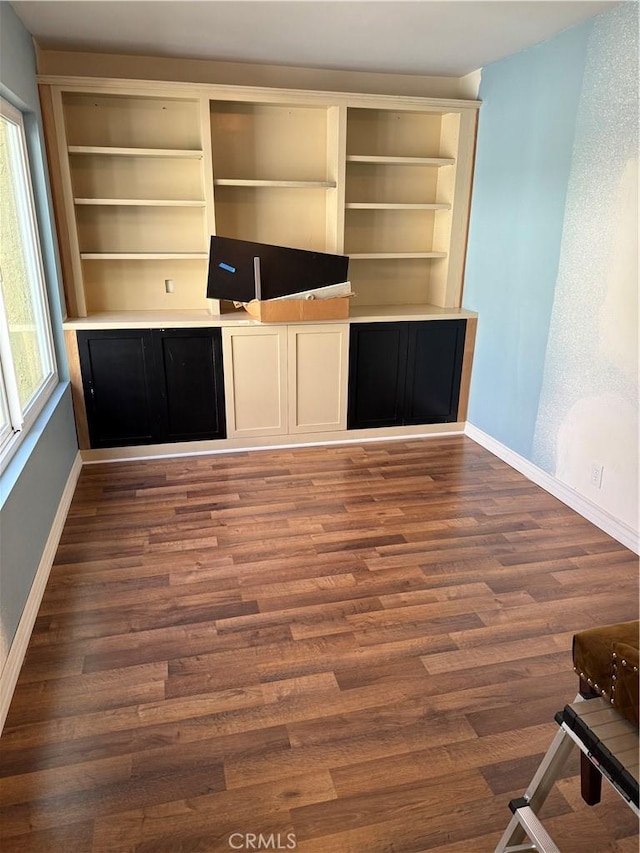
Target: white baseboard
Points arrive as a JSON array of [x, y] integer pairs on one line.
[[272, 442], [15, 658], [619, 530]]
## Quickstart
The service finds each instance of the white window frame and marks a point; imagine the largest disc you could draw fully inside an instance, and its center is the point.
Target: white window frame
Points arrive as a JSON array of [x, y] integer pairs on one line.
[[20, 419]]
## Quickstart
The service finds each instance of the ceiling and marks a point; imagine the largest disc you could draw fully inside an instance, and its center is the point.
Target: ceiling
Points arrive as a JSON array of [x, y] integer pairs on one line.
[[424, 37]]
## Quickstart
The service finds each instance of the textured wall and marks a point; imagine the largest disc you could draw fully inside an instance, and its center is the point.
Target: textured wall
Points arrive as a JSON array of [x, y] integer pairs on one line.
[[552, 262], [589, 399]]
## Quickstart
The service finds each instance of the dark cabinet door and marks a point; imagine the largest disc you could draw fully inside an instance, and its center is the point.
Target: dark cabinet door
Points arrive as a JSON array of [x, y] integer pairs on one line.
[[118, 378], [148, 386], [434, 369], [191, 384], [377, 369], [405, 373]]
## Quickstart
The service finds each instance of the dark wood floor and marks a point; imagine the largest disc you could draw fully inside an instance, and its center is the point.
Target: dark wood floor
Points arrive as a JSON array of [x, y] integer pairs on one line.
[[361, 645]]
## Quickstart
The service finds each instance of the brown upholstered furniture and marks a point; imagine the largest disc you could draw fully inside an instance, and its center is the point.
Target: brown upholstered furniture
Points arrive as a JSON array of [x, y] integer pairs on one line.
[[606, 659]]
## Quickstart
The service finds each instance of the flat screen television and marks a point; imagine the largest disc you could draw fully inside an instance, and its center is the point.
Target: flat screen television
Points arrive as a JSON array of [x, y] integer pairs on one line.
[[282, 270]]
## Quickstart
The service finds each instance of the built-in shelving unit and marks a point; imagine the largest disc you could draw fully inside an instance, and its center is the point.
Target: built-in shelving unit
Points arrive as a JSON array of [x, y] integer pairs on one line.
[[275, 173], [149, 171], [135, 183], [400, 189], [144, 172]]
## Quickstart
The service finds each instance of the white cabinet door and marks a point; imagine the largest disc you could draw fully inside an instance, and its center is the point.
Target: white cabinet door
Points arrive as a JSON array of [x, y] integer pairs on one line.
[[318, 367], [285, 379], [255, 380]]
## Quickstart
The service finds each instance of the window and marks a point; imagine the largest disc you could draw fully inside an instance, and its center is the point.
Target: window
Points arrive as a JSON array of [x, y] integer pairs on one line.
[[27, 364]]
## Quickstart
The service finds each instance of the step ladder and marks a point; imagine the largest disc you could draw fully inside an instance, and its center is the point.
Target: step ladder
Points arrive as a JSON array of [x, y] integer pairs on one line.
[[609, 742]]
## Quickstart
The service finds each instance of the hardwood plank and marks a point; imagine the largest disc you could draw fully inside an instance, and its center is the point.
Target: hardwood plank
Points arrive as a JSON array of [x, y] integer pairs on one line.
[[422, 829], [409, 802], [214, 816], [57, 702], [516, 650], [73, 838], [516, 773], [114, 797], [440, 760], [103, 654], [68, 780]]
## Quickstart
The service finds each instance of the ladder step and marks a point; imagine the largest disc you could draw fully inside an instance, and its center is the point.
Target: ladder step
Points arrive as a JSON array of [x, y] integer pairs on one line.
[[529, 821]]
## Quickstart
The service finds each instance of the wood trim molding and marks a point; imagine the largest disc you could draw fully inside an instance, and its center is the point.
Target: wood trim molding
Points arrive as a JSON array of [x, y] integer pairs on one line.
[[265, 94], [57, 192], [467, 365], [20, 642], [619, 530], [77, 392], [74, 283]]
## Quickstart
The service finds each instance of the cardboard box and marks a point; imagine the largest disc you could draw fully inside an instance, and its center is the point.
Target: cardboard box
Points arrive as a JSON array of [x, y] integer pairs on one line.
[[298, 310]]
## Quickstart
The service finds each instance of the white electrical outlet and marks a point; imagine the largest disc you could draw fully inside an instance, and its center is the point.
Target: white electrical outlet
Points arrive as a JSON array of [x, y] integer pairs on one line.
[[596, 474]]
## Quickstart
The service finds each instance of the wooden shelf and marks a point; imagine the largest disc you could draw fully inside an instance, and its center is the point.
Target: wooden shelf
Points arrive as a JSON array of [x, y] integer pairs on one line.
[[140, 202], [400, 161], [143, 256], [242, 182], [193, 318], [375, 256], [112, 151], [365, 205]]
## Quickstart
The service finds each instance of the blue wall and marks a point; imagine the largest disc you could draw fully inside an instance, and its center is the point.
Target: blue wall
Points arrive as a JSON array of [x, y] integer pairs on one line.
[[523, 161], [552, 264], [32, 485]]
